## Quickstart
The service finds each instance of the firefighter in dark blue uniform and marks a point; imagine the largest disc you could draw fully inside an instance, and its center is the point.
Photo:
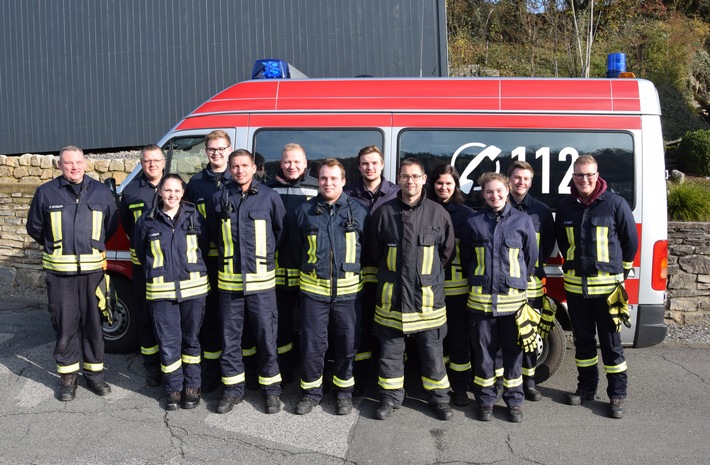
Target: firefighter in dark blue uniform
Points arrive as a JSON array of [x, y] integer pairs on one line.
[[371, 191], [200, 190], [520, 176], [295, 186], [446, 190], [246, 223], [71, 217], [138, 197], [169, 240], [331, 227], [596, 233], [500, 249]]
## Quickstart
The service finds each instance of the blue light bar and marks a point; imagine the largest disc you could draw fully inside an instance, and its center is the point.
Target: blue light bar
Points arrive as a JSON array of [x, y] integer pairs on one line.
[[270, 69]]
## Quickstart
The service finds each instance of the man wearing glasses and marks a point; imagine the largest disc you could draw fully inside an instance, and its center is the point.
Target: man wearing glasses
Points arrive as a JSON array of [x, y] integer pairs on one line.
[[137, 198], [200, 190], [596, 234], [411, 238]]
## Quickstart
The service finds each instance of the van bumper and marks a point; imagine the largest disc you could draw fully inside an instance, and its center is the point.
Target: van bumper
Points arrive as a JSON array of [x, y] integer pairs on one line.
[[651, 327]]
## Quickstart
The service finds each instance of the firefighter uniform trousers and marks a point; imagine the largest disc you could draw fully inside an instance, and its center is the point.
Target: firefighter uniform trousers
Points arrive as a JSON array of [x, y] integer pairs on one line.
[[591, 316], [258, 310], [177, 326], [287, 299], [488, 333], [73, 309], [210, 333], [431, 356], [343, 319], [367, 346], [457, 342], [146, 332]]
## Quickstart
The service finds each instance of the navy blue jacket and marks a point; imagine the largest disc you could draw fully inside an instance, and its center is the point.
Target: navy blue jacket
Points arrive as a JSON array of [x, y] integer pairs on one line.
[[137, 197], [367, 199]]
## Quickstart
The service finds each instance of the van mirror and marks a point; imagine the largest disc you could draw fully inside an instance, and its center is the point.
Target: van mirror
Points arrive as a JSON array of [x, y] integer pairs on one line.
[[111, 183]]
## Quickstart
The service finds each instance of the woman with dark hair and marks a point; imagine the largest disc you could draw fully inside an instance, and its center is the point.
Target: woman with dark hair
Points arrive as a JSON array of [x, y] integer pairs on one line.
[[445, 188], [169, 240]]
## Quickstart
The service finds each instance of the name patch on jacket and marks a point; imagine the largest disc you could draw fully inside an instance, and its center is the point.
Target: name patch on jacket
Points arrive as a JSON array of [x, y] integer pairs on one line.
[[55, 207]]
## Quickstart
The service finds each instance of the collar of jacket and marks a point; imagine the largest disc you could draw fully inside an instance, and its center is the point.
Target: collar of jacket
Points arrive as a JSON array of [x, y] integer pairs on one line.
[[224, 176], [339, 202], [416, 205], [143, 181], [599, 189], [491, 215], [384, 188], [64, 182], [281, 179], [524, 204]]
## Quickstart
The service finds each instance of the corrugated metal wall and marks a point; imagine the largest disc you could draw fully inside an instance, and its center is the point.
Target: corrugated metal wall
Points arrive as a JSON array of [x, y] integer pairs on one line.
[[114, 73]]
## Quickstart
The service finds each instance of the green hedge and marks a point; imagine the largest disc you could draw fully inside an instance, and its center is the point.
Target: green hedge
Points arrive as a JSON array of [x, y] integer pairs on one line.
[[689, 201]]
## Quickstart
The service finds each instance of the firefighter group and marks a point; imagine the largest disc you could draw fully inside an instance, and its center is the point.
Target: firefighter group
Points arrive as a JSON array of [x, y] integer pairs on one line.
[[227, 265]]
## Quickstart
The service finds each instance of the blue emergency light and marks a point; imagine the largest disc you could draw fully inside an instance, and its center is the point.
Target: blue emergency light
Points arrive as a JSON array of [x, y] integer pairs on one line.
[[272, 68]]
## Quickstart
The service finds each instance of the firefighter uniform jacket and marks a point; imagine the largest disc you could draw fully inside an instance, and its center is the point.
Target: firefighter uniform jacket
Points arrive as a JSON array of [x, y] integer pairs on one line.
[[412, 245], [138, 197], [500, 250], [598, 243], [544, 225], [331, 249], [293, 194], [72, 229], [455, 282], [247, 226], [171, 253], [200, 190]]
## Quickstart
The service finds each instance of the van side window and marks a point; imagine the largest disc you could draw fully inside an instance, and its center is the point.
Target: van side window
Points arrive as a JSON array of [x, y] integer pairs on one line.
[[319, 144], [186, 155], [551, 154]]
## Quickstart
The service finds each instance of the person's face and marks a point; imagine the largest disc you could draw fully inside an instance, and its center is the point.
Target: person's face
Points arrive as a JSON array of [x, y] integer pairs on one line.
[[585, 178], [330, 183], [293, 164], [371, 166], [72, 165], [520, 180], [495, 194], [153, 163], [171, 193], [242, 169], [444, 187], [218, 151], [411, 180]]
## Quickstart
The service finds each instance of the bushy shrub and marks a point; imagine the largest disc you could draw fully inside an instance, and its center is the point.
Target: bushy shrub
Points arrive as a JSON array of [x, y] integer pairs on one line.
[[689, 201], [694, 151]]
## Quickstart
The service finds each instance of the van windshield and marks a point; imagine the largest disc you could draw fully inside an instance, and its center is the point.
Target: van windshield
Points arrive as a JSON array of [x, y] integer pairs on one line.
[[551, 154]]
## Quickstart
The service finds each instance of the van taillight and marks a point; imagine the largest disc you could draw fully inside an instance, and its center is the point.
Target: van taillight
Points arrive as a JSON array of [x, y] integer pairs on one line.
[[659, 272]]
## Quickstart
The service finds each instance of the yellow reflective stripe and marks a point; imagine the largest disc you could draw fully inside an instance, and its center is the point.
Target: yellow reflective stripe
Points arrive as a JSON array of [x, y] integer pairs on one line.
[[537, 241], [55, 218], [350, 247], [312, 384], [391, 383], [232, 380], [249, 351], [514, 264], [603, 283], [312, 247], [268, 381], [529, 372], [499, 372], [480, 261], [369, 274], [484, 382], [360, 356], [284, 348], [191, 359], [172, 367], [157, 253], [457, 284], [620, 368], [446, 359], [534, 288], [505, 303], [93, 366], [590, 362], [387, 291], [392, 258], [427, 259], [460, 366], [509, 383], [202, 208], [149, 350], [212, 355], [66, 369], [427, 299], [350, 284], [343, 383], [627, 265], [410, 322], [134, 257], [228, 245], [96, 223], [192, 248], [72, 263], [569, 231], [157, 289], [603, 244], [260, 247]]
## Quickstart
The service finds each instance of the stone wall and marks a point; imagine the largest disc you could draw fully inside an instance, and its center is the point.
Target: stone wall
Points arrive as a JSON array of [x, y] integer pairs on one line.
[[689, 272], [20, 256]]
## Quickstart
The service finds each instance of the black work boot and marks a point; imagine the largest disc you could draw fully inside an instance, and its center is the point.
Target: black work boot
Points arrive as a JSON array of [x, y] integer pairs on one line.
[[191, 398], [67, 392], [153, 377], [100, 389], [578, 397], [173, 402], [616, 408]]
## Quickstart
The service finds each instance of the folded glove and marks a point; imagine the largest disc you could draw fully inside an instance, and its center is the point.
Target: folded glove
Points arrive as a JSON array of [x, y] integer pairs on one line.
[[547, 319], [102, 292], [527, 320], [618, 302]]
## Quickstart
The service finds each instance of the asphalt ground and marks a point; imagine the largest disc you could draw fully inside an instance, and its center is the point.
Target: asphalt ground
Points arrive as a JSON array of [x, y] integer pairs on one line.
[[666, 420]]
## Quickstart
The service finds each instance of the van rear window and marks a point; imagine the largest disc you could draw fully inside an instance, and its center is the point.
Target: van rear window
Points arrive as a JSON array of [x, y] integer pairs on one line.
[[551, 154]]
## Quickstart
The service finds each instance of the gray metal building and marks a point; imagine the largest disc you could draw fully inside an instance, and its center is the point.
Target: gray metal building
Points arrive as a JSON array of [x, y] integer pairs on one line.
[[118, 73]]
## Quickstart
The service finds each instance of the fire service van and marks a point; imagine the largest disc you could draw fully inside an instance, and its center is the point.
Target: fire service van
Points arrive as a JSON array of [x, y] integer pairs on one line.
[[476, 125]]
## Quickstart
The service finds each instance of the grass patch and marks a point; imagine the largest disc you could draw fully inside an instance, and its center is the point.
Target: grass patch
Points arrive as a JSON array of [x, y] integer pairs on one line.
[[689, 201]]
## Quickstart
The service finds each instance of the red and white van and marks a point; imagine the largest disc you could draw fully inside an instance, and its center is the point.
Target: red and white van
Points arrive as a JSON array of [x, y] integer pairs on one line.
[[475, 124]]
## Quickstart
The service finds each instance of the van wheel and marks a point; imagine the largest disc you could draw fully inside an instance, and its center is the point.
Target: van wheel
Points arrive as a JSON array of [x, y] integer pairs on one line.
[[551, 353], [122, 335]]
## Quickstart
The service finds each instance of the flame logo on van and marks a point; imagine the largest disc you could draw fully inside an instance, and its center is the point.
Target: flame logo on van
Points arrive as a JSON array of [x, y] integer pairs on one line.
[[491, 152]]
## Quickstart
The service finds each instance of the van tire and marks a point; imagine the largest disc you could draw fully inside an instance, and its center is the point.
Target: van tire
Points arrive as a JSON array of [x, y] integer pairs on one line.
[[552, 354], [122, 335]]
